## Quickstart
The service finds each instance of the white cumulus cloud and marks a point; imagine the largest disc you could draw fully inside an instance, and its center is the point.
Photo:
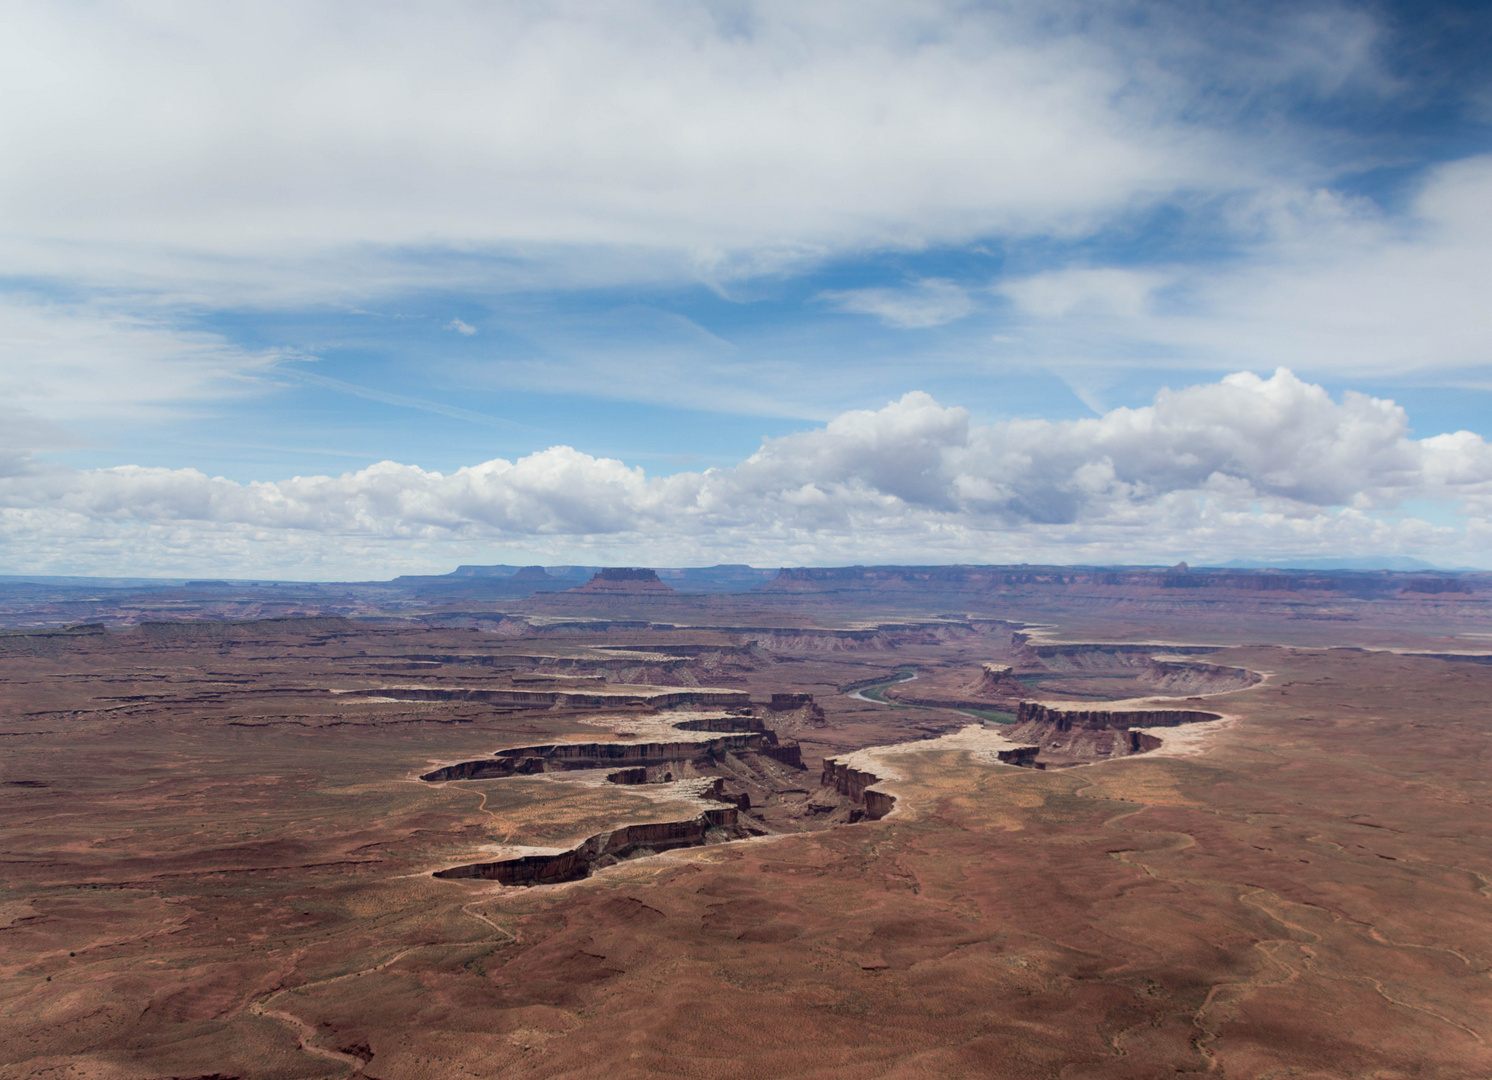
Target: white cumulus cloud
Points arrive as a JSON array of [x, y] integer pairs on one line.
[[1247, 465]]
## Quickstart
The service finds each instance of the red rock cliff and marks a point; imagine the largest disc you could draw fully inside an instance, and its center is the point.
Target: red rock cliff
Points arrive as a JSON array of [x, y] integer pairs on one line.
[[1105, 720]]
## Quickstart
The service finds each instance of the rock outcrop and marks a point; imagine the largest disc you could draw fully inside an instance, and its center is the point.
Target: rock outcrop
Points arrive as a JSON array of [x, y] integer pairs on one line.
[[606, 849], [554, 757], [48, 643], [564, 699], [1074, 736], [1436, 585], [1024, 756], [997, 681], [788, 753], [855, 785], [1107, 720], [883, 637], [624, 579], [532, 573], [1196, 677], [739, 741], [1088, 656], [738, 738], [788, 702]]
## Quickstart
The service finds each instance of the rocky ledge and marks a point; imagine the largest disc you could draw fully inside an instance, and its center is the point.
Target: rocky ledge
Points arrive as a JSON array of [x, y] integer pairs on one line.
[[731, 734], [737, 747], [588, 698], [1074, 736], [855, 785], [1107, 720], [608, 848]]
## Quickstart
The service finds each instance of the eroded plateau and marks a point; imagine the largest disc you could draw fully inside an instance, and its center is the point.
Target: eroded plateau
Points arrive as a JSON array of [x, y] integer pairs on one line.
[[864, 831]]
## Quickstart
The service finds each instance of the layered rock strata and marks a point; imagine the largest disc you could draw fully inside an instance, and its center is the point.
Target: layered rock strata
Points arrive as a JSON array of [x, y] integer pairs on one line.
[[855, 785], [1025, 756], [1080, 655], [1073, 736], [605, 849], [1107, 720], [553, 757], [1194, 676], [788, 702], [737, 740], [625, 579], [572, 699]]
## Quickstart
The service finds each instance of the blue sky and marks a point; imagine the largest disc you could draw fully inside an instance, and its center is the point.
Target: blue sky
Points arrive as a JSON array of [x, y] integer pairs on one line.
[[246, 244]]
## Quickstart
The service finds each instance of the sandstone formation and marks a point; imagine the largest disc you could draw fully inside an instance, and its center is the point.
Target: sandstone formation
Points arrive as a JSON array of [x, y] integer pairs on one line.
[[1075, 736], [1106, 720], [1024, 756], [624, 579], [563, 756], [996, 681], [784, 702], [1093, 655], [532, 574], [527, 760], [739, 739], [606, 849], [855, 785], [571, 699], [1195, 677]]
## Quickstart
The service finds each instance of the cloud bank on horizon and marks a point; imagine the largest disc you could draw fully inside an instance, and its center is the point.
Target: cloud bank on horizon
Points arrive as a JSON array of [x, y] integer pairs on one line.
[[604, 251], [1273, 466]]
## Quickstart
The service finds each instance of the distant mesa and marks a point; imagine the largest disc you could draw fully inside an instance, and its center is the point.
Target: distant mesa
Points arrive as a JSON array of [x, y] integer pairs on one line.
[[1435, 585], [513, 573], [624, 579], [532, 573], [465, 571], [988, 582]]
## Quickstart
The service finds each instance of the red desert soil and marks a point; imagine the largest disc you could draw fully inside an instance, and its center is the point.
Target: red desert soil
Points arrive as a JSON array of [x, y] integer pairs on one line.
[[216, 867]]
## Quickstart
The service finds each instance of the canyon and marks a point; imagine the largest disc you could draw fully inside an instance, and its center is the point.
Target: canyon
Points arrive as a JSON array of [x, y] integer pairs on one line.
[[865, 821]]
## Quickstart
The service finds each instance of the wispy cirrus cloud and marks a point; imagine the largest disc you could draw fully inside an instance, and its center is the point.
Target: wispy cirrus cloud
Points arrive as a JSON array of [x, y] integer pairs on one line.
[[930, 302], [74, 361], [404, 401], [1084, 291], [1328, 284]]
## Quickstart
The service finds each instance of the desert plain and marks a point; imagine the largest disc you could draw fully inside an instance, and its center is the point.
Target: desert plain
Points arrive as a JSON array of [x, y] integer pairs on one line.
[[886, 822]]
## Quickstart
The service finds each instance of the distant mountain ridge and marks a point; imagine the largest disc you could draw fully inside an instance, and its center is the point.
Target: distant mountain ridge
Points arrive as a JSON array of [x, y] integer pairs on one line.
[[477, 593], [725, 577], [973, 579], [1386, 562]]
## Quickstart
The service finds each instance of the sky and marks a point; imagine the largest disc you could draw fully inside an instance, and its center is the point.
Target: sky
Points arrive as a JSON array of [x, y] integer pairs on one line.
[[343, 291]]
